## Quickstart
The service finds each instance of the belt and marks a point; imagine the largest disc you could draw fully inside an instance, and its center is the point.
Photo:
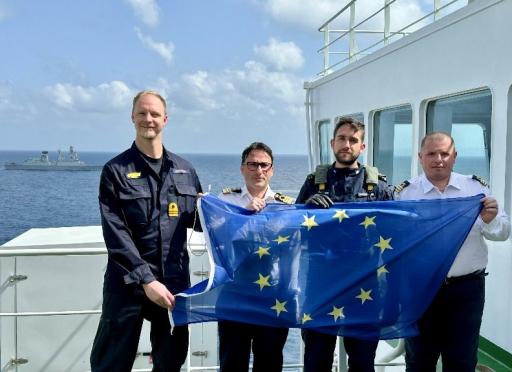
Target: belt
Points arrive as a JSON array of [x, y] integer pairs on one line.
[[473, 275]]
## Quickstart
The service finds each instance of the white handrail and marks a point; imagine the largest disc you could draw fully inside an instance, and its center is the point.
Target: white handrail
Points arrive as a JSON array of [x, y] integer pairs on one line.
[[350, 33]]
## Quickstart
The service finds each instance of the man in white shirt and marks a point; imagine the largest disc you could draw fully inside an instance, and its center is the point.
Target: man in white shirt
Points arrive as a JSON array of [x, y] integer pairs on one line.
[[451, 325], [235, 338]]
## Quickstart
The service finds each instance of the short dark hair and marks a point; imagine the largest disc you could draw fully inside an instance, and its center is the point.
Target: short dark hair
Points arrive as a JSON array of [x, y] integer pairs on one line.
[[437, 135], [256, 146], [356, 125], [146, 92]]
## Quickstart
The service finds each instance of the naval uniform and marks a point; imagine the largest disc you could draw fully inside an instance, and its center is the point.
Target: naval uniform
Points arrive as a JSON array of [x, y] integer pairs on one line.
[[341, 185], [235, 338], [146, 206], [451, 325]]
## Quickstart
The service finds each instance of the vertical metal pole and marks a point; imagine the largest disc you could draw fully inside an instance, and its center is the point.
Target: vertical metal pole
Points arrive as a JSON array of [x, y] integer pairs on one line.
[[326, 50], [437, 12], [352, 34], [386, 21]]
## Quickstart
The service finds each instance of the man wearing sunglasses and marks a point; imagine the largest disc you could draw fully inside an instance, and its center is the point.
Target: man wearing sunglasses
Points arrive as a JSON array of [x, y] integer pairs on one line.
[[235, 338]]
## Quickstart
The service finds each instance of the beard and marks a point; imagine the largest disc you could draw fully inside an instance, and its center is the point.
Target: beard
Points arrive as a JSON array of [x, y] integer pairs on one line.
[[147, 133], [345, 159]]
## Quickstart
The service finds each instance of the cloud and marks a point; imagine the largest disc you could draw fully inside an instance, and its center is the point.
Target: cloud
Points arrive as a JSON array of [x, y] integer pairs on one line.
[[146, 10], [305, 13], [4, 11], [102, 98], [8, 102], [281, 55], [254, 88], [162, 49], [312, 14]]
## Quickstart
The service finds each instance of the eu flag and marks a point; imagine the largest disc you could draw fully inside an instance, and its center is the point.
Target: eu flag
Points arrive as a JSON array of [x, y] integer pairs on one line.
[[364, 270]]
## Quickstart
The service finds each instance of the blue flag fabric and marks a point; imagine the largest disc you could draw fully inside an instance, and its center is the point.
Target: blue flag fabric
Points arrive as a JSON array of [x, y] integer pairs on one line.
[[365, 270]]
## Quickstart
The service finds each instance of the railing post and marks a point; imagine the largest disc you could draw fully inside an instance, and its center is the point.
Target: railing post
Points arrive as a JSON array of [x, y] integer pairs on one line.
[[437, 12], [386, 22], [326, 49], [352, 34]]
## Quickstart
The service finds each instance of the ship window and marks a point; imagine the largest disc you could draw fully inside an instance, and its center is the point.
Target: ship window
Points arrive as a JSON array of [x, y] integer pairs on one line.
[[467, 118], [392, 146], [324, 141]]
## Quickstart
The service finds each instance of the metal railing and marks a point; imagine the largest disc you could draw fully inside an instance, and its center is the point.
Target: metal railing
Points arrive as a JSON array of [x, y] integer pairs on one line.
[[88, 249], [349, 34]]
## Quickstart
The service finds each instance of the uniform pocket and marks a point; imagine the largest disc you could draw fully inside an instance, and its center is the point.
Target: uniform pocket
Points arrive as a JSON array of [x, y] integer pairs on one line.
[[136, 202], [185, 184]]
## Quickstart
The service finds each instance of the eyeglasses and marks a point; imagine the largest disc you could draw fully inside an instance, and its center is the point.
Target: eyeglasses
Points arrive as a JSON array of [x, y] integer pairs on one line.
[[254, 165]]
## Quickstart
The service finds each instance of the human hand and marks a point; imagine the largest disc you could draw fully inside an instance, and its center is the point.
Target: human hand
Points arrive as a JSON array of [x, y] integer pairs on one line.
[[159, 294], [489, 210], [319, 201], [256, 204]]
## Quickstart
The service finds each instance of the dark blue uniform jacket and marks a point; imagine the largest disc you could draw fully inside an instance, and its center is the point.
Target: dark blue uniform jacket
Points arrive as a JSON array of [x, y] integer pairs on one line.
[[346, 185], [145, 237]]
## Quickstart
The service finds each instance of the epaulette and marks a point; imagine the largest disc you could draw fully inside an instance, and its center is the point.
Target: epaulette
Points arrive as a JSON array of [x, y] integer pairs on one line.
[[481, 180], [403, 185], [382, 177], [228, 190], [283, 198]]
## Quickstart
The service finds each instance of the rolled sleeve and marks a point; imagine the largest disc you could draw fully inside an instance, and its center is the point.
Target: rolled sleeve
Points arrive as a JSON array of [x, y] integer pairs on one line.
[[498, 229]]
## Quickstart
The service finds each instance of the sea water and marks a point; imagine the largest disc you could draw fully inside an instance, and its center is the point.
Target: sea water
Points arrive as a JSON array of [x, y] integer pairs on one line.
[[30, 199]]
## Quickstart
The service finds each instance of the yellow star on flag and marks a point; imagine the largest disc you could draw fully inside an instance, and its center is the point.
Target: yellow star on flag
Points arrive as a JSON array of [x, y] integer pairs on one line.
[[337, 312], [309, 222], [262, 281], [262, 251], [341, 215], [279, 307], [382, 270], [383, 244], [306, 318], [365, 296], [281, 239], [368, 221]]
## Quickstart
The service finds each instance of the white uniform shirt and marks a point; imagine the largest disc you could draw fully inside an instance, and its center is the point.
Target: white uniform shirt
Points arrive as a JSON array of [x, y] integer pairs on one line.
[[242, 199], [472, 255]]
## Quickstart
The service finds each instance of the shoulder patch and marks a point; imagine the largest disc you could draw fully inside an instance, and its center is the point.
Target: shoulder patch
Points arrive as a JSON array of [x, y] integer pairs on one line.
[[403, 185], [229, 190], [480, 179], [283, 198]]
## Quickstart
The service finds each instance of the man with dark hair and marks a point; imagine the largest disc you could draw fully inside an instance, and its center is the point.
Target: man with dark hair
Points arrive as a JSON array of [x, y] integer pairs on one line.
[[450, 327], [235, 338], [343, 181], [147, 200]]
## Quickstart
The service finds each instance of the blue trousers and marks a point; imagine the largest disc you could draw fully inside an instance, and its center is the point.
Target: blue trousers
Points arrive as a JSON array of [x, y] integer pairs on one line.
[[449, 328], [319, 352], [235, 347], [115, 345]]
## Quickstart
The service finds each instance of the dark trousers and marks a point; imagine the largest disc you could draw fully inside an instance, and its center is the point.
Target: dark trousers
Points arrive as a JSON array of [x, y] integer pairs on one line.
[[449, 328], [117, 338], [235, 347], [319, 352]]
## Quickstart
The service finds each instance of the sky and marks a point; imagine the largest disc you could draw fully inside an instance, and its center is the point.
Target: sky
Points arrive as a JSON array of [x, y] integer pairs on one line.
[[232, 71]]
